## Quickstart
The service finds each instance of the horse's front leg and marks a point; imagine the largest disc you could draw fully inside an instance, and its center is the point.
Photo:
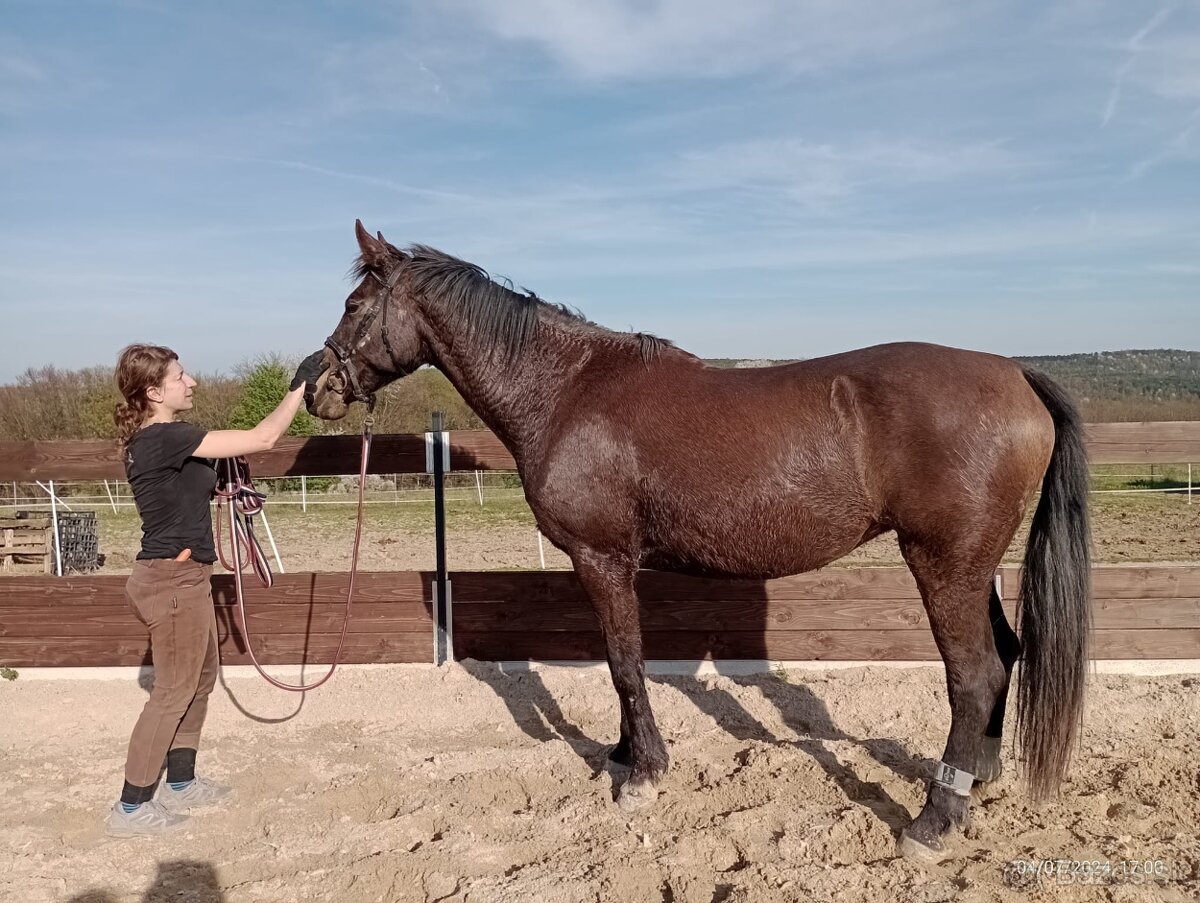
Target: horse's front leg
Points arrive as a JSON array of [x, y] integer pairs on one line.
[[609, 583]]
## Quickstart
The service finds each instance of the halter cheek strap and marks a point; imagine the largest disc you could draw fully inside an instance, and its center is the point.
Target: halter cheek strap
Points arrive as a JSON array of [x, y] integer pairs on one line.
[[343, 355]]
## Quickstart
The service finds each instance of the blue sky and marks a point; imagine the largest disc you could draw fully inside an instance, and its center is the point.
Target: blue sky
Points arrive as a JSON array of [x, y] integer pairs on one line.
[[767, 178]]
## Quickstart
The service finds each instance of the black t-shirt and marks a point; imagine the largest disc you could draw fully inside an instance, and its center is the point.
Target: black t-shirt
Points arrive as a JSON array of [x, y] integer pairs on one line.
[[172, 491]]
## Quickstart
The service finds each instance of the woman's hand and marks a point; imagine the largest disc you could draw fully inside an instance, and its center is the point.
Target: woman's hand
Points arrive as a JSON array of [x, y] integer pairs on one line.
[[309, 372], [232, 443]]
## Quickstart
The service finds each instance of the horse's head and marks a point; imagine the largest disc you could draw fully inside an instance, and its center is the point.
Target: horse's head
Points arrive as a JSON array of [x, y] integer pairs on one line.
[[377, 339]]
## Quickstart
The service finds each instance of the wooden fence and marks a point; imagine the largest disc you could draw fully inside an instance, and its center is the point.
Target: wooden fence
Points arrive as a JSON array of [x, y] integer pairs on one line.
[[861, 614], [853, 614], [87, 620]]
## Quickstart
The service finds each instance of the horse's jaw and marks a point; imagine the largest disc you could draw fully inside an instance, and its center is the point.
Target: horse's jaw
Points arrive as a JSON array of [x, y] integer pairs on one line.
[[329, 410]]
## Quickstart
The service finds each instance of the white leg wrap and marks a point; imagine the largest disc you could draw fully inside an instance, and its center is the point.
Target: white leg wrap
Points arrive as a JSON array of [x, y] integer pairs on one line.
[[953, 779]]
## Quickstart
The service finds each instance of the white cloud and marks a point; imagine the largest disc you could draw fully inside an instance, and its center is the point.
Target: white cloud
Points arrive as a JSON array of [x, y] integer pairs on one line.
[[1181, 146], [389, 74], [376, 181], [40, 76], [1170, 66], [603, 39], [20, 77], [1135, 47], [1162, 59], [19, 69], [816, 173]]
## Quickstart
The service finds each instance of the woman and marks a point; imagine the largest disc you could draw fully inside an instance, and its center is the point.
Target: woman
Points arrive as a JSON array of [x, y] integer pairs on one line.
[[170, 467]]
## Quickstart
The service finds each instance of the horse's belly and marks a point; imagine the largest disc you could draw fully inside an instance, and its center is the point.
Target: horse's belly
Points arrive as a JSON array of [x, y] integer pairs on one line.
[[757, 542]]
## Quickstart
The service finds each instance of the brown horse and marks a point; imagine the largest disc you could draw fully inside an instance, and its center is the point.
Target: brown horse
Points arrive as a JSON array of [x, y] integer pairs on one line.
[[634, 453]]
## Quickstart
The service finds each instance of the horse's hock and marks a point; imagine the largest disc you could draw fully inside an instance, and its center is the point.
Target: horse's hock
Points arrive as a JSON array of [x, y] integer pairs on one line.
[[26, 539]]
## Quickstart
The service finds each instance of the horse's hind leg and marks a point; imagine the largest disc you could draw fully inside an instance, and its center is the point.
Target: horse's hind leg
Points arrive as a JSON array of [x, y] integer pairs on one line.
[[1008, 647], [956, 599], [609, 583]]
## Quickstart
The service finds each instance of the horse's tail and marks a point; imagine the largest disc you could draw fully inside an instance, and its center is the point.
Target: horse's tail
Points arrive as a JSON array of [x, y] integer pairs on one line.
[[1056, 606]]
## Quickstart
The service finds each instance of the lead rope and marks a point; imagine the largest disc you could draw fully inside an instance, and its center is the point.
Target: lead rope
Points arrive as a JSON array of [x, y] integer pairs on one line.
[[245, 502], [235, 489]]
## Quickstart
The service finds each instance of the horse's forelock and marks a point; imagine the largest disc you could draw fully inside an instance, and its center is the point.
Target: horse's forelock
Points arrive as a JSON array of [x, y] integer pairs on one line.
[[362, 268]]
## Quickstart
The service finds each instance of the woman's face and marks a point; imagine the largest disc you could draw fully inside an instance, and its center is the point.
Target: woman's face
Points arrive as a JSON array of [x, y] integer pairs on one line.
[[176, 389]]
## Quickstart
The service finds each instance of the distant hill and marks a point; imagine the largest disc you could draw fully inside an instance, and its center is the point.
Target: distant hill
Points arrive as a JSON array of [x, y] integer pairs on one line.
[[1155, 384], [1160, 374]]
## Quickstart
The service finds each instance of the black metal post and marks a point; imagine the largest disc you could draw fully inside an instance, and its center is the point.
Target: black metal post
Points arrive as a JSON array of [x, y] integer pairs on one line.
[[443, 649]]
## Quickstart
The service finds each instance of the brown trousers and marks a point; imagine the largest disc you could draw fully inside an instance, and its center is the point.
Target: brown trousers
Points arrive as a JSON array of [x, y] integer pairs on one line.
[[174, 600]]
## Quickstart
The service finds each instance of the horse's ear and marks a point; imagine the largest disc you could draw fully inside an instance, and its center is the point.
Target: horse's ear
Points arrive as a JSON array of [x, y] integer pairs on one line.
[[396, 252], [374, 253]]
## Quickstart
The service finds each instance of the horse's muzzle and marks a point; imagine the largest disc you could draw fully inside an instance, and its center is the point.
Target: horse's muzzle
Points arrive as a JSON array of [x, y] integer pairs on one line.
[[329, 401]]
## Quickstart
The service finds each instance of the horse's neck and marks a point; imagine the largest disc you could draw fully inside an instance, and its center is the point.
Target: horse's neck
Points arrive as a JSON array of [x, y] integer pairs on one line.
[[515, 398]]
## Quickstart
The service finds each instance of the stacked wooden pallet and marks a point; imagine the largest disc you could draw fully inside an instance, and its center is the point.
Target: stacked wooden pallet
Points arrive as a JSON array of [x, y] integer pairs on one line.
[[26, 540]]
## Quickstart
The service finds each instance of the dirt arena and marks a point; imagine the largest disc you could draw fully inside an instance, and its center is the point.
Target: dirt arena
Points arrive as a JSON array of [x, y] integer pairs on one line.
[[411, 783], [467, 784]]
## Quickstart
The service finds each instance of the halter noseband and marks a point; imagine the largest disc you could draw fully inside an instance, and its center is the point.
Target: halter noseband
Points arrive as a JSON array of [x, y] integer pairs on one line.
[[343, 355]]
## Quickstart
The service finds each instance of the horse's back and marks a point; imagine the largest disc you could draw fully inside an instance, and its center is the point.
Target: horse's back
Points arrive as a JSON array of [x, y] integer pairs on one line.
[[904, 390], [776, 470]]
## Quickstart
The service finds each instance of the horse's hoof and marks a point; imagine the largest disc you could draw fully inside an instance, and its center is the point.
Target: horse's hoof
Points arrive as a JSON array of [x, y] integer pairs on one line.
[[636, 795], [915, 851]]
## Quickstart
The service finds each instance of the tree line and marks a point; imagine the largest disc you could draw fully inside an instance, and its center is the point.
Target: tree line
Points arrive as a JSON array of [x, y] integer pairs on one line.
[[53, 403]]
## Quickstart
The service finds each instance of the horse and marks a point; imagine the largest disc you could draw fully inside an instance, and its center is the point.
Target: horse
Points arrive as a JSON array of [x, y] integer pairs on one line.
[[634, 453]]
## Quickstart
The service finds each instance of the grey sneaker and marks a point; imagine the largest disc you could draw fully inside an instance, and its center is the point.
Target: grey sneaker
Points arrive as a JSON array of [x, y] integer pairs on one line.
[[147, 819], [200, 792]]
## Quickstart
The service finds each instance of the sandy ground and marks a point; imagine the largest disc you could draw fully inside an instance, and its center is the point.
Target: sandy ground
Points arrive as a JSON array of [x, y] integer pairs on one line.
[[466, 784]]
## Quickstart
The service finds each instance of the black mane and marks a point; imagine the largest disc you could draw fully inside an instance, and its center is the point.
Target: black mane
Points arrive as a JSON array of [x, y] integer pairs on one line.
[[494, 314]]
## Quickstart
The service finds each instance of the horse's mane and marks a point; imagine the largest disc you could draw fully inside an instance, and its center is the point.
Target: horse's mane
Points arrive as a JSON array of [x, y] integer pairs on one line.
[[494, 314]]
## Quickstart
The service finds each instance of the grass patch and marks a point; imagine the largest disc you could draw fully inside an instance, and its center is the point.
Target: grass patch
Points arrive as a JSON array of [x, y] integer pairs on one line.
[[1141, 527]]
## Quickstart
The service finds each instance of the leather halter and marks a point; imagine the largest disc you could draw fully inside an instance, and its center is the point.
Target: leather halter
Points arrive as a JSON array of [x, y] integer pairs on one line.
[[344, 355]]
